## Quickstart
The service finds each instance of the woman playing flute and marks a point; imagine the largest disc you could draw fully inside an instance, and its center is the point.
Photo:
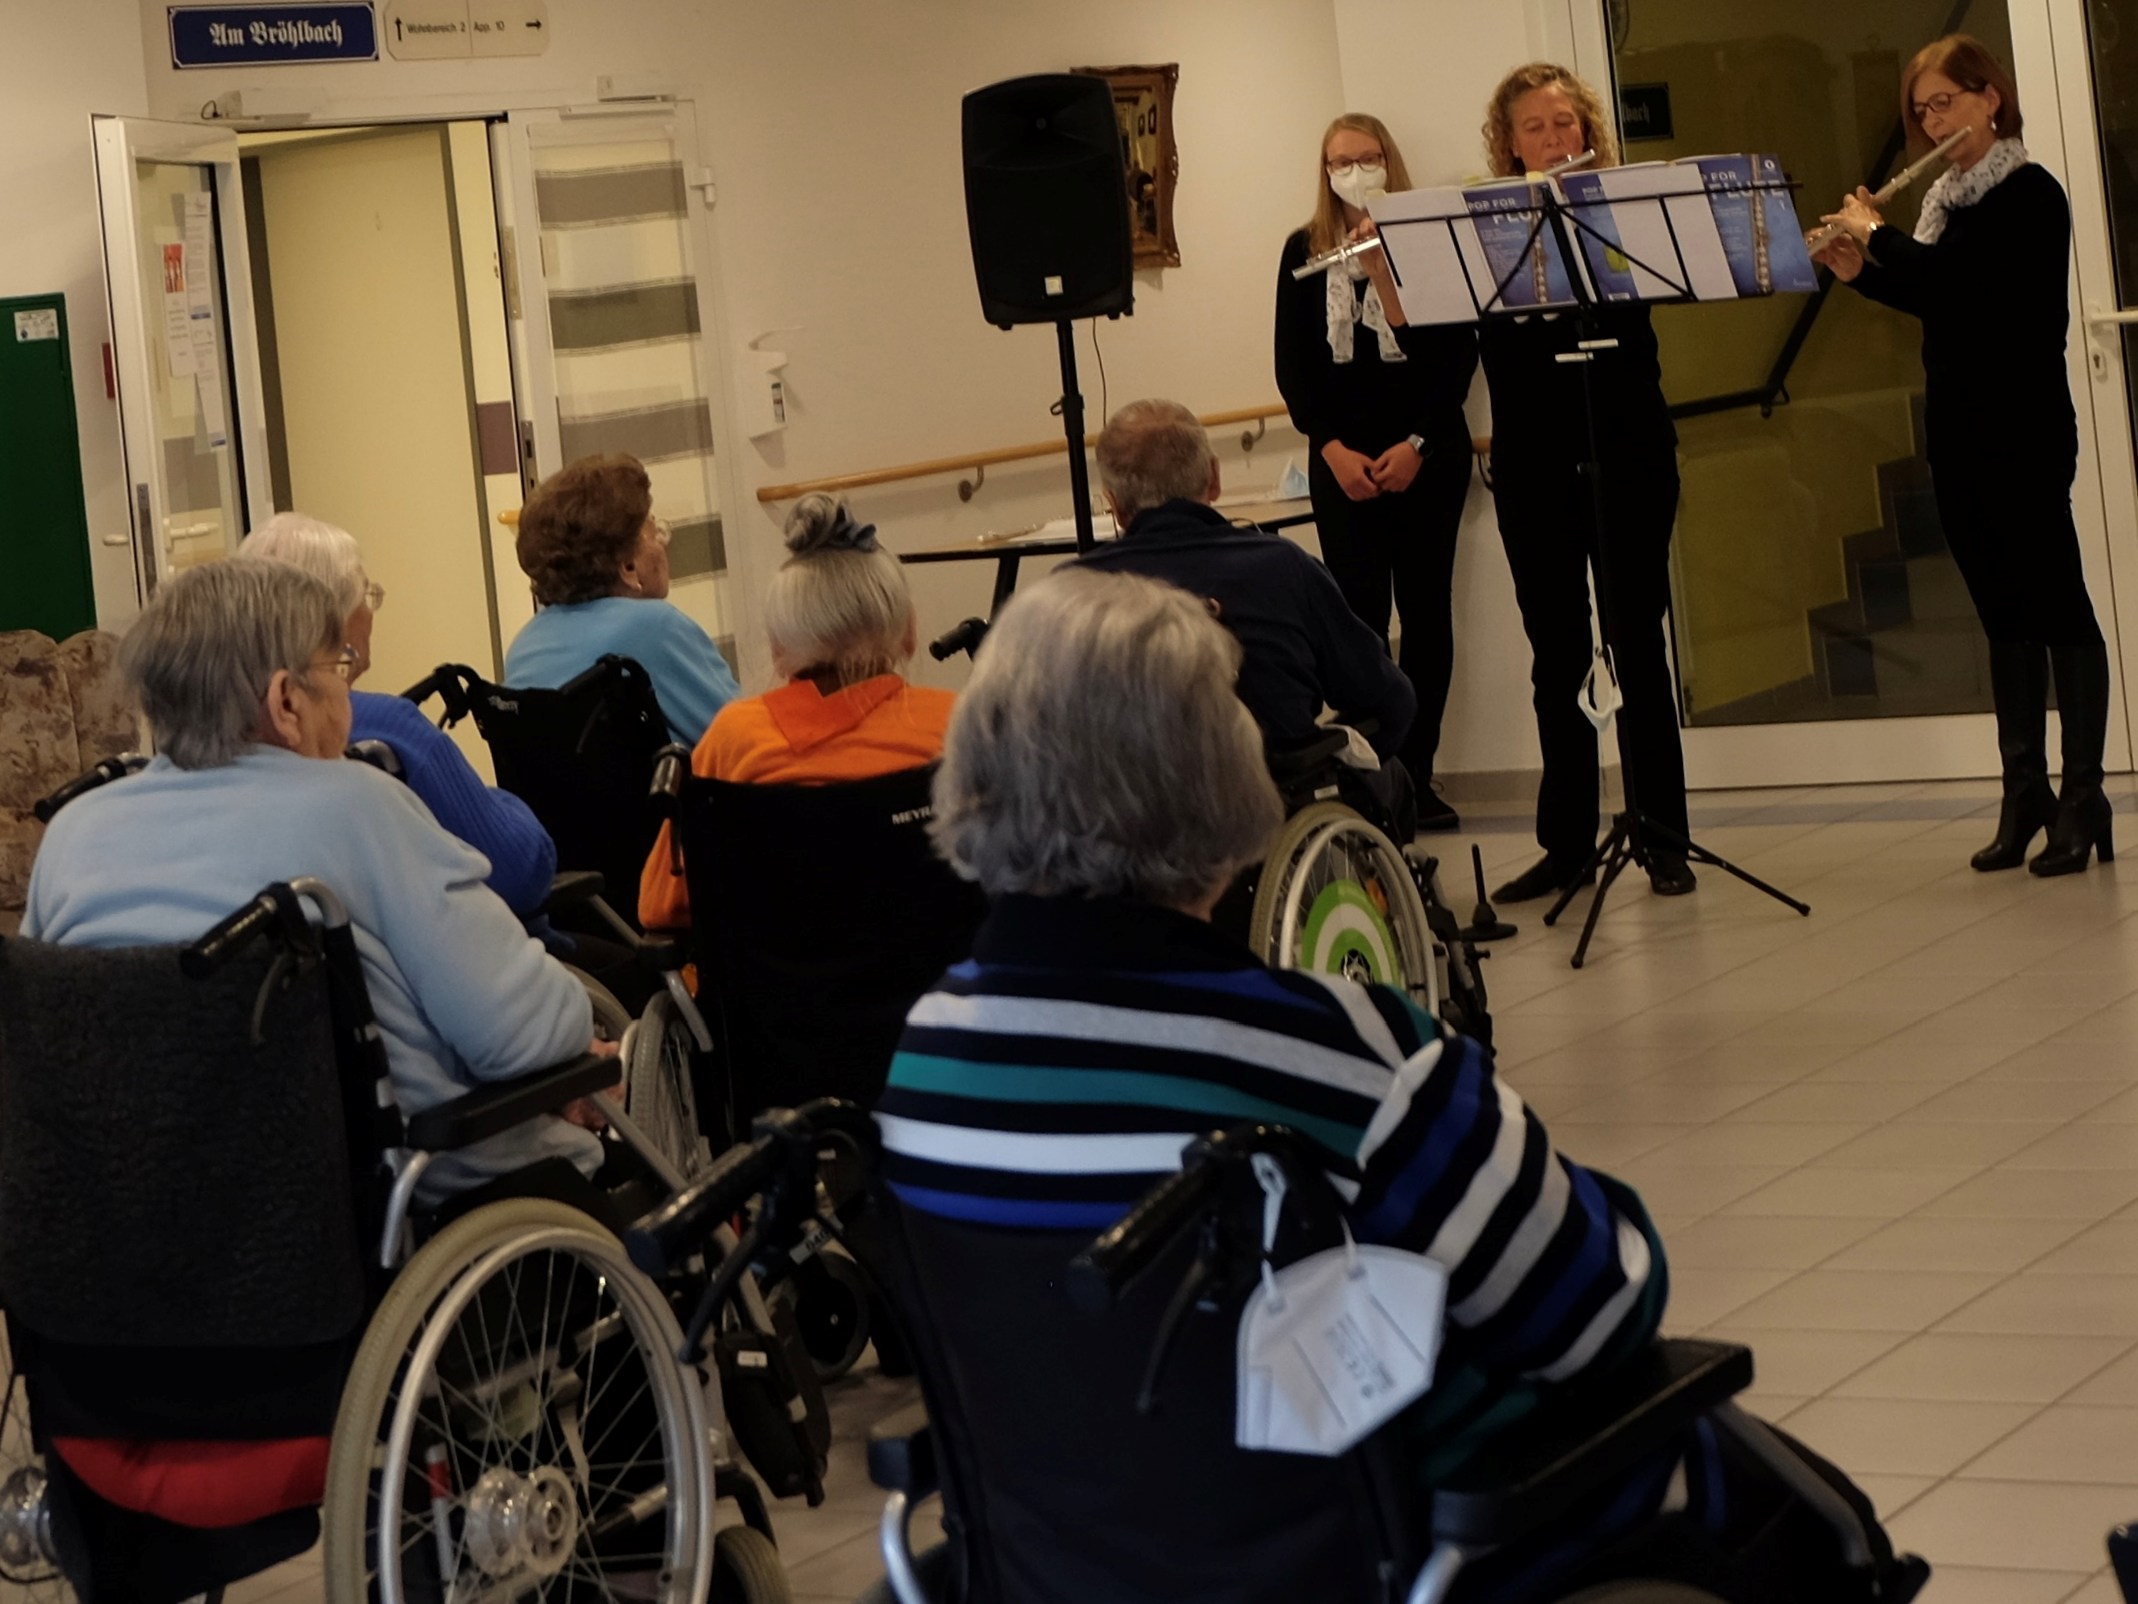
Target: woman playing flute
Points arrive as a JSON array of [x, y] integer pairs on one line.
[[1985, 272]]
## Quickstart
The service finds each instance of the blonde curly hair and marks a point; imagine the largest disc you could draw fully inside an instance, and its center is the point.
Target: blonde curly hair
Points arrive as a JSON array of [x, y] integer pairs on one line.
[[1499, 115]]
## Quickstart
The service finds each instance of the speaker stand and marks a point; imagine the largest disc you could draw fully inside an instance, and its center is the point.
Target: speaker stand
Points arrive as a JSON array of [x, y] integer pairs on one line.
[[1071, 410]]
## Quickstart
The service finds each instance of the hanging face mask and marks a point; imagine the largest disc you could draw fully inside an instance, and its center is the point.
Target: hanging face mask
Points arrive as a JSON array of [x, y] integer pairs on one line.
[[1360, 184], [1336, 1345]]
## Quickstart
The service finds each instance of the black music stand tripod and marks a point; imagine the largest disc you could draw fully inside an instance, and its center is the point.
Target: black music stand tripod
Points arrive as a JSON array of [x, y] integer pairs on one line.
[[1632, 832]]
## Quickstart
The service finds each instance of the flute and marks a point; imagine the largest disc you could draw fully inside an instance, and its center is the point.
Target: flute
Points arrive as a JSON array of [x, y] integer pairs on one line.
[[1819, 238], [1359, 247]]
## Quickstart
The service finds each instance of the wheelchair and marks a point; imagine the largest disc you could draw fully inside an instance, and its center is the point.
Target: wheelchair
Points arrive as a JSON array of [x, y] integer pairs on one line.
[[476, 1396], [764, 863], [1209, 1521], [1336, 894]]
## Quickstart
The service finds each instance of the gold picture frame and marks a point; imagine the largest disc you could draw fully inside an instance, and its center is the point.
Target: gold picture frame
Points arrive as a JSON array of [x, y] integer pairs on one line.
[[1143, 106]]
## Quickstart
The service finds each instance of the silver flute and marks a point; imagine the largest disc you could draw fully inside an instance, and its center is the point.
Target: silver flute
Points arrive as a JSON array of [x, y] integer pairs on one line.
[[1359, 247], [1819, 238]]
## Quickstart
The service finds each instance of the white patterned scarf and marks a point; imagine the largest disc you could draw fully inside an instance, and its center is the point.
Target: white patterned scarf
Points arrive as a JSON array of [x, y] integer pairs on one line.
[[1955, 189], [1347, 309]]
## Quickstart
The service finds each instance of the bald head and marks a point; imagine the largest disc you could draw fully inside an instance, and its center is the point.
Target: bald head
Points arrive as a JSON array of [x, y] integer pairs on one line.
[[1153, 452]]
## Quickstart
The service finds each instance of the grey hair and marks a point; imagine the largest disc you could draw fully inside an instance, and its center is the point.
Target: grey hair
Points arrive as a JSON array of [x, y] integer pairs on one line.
[[1152, 452], [200, 656], [1099, 748], [323, 550], [838, 608]]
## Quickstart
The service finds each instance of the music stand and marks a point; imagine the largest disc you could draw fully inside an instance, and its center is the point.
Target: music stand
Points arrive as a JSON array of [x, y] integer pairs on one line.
[[1547, 209]]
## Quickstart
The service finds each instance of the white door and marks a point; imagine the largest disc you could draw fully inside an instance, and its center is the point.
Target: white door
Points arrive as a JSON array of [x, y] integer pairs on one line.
[[614, 321], [183, 340], [1782, 518]]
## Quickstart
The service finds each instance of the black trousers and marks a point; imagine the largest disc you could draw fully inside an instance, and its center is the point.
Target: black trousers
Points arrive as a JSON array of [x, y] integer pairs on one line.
[[2008, 522], [1402, 548], [1548, 527]]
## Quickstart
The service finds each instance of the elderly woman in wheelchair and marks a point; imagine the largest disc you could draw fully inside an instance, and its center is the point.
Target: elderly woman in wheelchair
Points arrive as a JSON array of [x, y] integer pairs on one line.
[[1102, 783], [369, 1054]]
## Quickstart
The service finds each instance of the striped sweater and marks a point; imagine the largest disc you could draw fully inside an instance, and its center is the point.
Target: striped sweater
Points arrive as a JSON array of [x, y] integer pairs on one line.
[[1054, 1078]]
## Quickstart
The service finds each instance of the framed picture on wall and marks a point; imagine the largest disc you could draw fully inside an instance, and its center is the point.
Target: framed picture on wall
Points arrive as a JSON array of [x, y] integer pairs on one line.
[[1143, 105]]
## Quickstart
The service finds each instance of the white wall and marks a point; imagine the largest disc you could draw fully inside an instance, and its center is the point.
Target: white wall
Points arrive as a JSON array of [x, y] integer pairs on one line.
[[80, 57], [832, 129]]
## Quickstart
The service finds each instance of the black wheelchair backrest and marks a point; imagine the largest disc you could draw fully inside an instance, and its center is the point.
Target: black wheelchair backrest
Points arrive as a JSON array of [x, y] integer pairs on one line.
[[819, 915], [580, 756]]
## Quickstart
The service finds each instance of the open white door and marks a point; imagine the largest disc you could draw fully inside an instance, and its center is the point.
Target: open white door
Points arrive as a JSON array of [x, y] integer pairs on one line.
[[183, 340]]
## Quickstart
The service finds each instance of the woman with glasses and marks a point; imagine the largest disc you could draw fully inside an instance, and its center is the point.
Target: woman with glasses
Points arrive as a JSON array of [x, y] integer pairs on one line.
[[598, 560], [1985, 271], [523, 859], [1381, 405]]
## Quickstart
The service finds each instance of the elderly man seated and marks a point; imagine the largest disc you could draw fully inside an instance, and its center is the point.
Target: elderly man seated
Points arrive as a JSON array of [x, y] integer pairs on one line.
[[1102, 783], [243, 674], [1303, 648]]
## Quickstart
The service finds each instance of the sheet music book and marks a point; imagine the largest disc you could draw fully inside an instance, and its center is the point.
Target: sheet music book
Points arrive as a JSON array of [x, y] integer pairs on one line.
[[1523, 263], [1436, 277], [1758, 225]]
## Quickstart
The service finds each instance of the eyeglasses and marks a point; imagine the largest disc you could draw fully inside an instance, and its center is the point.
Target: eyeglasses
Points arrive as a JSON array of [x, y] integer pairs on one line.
[[1340, 165], [343, 664], [374, 594], [662, 534], [1939, 103]]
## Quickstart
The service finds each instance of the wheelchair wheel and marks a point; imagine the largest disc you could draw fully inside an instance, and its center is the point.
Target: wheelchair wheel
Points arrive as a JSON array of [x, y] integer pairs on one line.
[[746, 1569], [658, 1090], [29, 1562], [831, 1310], [611, 1018], [1336, 897], [1643, 1593], [516, 1424]]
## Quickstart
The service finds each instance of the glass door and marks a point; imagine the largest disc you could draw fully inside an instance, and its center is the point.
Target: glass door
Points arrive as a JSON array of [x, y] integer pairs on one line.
[[183, 342], [1820, 627]]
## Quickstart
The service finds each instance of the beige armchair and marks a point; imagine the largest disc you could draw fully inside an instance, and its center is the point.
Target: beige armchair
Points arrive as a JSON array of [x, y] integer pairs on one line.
[[61, 710]]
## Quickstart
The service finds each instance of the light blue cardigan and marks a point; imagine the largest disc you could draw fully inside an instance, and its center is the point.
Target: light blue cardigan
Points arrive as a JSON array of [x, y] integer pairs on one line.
[[689, 675]]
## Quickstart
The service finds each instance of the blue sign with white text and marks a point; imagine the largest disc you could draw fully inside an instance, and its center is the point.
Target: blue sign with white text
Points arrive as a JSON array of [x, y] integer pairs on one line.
[[271, 35]]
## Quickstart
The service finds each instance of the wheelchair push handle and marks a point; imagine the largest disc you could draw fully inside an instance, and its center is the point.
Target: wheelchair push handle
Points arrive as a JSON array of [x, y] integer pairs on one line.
[[1102, 1272], [670, 764], [230, 936], [111, 768]]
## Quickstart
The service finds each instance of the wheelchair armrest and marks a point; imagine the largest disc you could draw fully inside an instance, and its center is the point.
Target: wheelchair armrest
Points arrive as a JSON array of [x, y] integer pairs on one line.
[[496, 1108], [573, 889], [1295, 761], [902, 1453], [1574, 1445]]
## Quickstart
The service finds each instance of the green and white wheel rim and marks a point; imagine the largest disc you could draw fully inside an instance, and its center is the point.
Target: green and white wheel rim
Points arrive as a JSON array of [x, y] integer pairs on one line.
[[1345, 934], [1349, 907]]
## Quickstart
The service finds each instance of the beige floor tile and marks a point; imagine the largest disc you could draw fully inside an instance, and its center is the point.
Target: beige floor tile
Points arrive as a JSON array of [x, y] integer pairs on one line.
[[286, 1583], [1977, 1022], [1743, 1141], [2037, 1194], [1909, 1145], [2110, 1248], [1854, 1194], [1867, 1300], [1938, 1243], [1694, 1190], [1916, 1061], [2103, 1056], [2117, 1384], [2082, 1146], [1602, 1145], [840, 1572], [1957, 1584], [1794, 1363], [2101, 1589], [1889, 1495], [1699, 1298], [2017, 1102], [2045, 1525], [1761, 1242], [1866, 1102], [1646, 1103], [1905, 1436], [1986, 1369], [2055, 1305], [2086, 1442]]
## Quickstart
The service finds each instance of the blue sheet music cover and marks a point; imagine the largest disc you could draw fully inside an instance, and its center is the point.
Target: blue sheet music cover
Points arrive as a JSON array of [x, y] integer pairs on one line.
[[1524, 259], [1599, 241], [1758, 226]]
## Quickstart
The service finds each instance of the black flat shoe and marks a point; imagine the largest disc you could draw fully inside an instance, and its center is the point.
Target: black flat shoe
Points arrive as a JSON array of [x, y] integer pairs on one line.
[[2020, 817], [1546, 877], [1669, 875], [1434, 814], [2085, 823]]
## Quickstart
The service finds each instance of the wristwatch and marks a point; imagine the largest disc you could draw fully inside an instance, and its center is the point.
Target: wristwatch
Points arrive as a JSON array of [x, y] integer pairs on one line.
[[1417, 443]]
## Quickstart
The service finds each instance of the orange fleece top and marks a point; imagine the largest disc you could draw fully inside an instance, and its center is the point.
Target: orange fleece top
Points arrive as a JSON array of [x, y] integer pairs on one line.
[[797, 735]]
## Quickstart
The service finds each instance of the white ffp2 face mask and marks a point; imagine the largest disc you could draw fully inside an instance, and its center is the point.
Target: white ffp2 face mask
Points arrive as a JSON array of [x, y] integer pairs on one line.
[[1360, 185]]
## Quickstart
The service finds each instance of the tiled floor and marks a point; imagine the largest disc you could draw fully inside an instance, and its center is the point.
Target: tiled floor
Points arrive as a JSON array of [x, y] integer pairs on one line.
[[1893, 1146]]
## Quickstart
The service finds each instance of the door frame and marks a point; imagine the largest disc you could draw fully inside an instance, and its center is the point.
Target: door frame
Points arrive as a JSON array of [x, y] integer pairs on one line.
[[119, 143], [2104, 497]]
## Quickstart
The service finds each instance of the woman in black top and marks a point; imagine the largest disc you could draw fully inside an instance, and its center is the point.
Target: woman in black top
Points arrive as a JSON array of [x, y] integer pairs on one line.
[[1542, 114], [1986, 274], [1381, 406]]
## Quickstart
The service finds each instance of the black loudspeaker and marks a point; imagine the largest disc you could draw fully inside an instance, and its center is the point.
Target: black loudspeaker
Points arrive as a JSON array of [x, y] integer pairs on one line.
[[1047, 200]]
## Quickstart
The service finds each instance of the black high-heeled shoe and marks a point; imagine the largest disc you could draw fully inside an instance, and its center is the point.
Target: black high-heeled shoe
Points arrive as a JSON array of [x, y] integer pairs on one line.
[[2025, 813], [2085, 823]]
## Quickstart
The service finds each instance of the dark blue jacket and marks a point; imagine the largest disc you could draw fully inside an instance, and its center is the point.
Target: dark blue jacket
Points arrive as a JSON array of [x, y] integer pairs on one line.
[[1302, 645]]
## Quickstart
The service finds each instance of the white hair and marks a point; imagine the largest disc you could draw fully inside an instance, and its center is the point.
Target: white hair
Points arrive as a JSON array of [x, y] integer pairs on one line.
[[839, 607], [325, 551], [201, 654], [1153, 452], [1100, 749]]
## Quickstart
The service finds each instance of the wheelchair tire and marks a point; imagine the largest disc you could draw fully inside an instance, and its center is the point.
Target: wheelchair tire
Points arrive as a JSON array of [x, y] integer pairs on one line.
[[611, 1018], [1335, 896], [831, 1310], [660, 1093], [747, 1569], [503, 1458]]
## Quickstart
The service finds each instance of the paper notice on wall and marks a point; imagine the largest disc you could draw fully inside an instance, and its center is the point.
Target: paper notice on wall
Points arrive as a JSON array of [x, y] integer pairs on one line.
[[208, 374], [200, 256], [177, 316]]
